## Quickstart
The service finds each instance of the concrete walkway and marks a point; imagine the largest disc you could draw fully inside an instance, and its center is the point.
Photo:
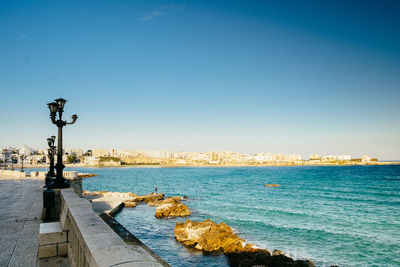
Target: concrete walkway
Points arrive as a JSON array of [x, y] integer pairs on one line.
[[20, 217], [112, 202], [108, 205]]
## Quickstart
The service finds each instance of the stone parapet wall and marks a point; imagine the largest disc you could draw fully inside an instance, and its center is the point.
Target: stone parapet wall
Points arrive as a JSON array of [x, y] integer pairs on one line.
[[91, 241], [70, 175], [53, 241]]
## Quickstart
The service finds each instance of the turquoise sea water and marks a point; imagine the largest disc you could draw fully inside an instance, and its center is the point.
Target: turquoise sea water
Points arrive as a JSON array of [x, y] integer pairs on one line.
[[347, 215]]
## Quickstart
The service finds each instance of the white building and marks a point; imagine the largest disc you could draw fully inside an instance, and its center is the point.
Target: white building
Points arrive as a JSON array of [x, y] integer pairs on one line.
[[8, 154], [91, 160], [263, 157], [365, 158], [314, 157], [25, 151], [336, 157], [71, 151]]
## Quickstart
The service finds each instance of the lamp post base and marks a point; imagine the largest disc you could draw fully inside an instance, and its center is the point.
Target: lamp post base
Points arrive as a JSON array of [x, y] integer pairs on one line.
[[57, 184]]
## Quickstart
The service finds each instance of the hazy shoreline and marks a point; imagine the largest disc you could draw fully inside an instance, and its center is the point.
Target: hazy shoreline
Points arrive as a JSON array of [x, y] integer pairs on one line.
[[380, 163]]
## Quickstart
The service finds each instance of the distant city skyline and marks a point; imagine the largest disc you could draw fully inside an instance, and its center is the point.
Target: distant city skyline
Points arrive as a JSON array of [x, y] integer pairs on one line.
[[122, 151], [290, 77], [119, 157]]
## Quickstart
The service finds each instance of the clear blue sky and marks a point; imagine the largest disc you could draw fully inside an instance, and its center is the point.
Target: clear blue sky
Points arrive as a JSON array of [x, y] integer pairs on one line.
[[249, 76]]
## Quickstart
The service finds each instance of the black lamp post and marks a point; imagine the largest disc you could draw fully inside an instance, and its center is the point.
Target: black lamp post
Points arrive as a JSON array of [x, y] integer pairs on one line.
[[22, 162], [51, 153], [58, 106]]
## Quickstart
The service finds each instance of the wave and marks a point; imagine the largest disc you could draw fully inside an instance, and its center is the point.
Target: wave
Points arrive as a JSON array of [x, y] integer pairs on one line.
[[319, 231], [327, 216]]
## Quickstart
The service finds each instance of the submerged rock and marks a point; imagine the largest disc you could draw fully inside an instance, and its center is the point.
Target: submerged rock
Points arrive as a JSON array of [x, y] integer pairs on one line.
[[262, 258], [272, 185], [170, 207]]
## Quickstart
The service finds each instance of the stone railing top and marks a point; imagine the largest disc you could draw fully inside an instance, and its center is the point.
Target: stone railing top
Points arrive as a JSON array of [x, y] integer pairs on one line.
[[71, 175], [10, 173], [102, 246]]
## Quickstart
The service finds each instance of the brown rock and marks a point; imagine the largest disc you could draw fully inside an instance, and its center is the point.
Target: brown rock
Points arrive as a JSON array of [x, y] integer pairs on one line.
[[171, 208], [276, 252], [153, 202], [149, 197], [272, 185], [209, 236], [157, 202], [130, 204], [178, 198]]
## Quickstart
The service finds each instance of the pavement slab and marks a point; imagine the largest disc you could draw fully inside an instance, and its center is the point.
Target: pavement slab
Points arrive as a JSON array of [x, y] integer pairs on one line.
[[20, 217]]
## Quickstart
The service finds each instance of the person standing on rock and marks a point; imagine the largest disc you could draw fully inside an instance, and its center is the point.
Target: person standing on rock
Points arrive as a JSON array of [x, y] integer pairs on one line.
[[155, 189]]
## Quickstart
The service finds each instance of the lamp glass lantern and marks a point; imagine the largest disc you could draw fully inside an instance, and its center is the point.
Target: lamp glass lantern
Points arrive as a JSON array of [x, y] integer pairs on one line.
[[53, 108], [60, 102]]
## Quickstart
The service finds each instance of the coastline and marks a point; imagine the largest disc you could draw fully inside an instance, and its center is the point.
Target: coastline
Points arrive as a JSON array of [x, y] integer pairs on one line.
[[277, 164], [108, 204]]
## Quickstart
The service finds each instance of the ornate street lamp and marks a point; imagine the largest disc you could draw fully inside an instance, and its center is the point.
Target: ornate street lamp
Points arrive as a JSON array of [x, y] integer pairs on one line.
[[51, 153], [58, 106]]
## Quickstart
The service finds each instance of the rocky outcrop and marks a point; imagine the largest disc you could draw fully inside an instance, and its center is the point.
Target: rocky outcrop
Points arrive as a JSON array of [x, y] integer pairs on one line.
[[209, 236], [263, 258], [149, 197], [170, 207], [132, 202], [272, 185], [157, 202], [153, 202]]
